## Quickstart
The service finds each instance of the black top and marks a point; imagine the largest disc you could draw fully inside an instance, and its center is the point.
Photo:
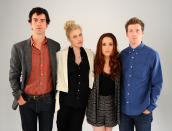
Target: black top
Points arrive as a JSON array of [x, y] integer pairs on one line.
[[78, 81], [106, 85]]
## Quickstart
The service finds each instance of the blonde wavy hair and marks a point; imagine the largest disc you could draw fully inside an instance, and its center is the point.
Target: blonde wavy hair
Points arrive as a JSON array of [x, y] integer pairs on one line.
[[71, 25]]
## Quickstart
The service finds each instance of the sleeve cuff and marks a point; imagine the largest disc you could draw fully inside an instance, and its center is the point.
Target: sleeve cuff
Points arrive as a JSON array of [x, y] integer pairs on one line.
[[151, 107], [18, 95]]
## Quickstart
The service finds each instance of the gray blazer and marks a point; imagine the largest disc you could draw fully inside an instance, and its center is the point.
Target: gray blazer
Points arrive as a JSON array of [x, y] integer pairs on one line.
[[91, 111], [20, 66]]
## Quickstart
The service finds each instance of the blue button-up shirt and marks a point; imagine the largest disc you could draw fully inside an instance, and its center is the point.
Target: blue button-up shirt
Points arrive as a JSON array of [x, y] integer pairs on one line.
[[141, 79]]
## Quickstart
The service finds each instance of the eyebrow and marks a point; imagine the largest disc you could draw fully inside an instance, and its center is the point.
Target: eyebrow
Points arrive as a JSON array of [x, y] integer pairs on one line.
[[40, 19]]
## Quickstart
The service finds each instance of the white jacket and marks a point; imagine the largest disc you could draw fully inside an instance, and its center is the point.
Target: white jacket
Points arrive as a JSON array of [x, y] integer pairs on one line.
[[62, 74]]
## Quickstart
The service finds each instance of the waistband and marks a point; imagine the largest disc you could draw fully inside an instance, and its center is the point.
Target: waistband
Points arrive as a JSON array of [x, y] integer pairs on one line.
[[37, 97]]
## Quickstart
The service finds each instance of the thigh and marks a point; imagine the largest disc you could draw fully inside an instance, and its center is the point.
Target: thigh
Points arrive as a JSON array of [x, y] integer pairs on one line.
[[46, 114], [126, 123], [76, 119], [28, 116], [143, 122], [63, 117], [101, 128]]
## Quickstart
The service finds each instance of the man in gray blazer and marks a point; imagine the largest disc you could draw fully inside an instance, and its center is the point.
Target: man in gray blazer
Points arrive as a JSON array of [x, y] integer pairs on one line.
[[33, 74]]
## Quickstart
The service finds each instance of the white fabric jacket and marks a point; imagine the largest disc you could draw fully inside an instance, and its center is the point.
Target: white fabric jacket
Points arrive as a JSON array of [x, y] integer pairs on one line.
[[62, 74]]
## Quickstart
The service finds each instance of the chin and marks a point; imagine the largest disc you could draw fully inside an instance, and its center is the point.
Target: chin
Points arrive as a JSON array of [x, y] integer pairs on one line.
[[80, 45]]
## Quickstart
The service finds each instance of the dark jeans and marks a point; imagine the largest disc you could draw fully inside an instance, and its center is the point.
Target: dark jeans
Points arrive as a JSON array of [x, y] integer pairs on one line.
[[42, 109], [141, 122], [70, 119]]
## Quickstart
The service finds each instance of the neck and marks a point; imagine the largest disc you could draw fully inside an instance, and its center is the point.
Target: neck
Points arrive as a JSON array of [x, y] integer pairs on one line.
[[107, 59], [134, 45], [38, 38], [76, 51]]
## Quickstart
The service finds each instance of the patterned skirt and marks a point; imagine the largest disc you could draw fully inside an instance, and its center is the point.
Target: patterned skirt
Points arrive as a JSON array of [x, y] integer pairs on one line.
[[105, 112]]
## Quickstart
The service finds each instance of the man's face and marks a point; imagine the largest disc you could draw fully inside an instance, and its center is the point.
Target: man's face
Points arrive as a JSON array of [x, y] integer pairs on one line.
[[135, 34], [38, 23]]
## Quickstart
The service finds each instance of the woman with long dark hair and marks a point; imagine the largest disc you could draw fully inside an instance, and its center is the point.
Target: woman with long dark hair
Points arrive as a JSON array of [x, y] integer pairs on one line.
[[104, 102]]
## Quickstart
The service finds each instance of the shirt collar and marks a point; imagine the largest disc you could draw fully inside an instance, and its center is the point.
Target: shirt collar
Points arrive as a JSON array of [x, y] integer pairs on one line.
[[33, 42], [137, 48]]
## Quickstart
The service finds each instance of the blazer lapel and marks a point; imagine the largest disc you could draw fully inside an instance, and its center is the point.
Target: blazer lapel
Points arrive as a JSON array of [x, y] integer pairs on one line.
[[28, 56], [64, 59]]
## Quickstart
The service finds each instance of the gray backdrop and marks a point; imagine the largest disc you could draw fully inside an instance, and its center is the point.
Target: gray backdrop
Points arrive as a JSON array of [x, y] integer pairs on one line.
[[95, 17]]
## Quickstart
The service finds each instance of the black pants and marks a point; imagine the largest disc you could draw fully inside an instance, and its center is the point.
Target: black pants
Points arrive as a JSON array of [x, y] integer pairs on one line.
[[42, 109], [70, 119]]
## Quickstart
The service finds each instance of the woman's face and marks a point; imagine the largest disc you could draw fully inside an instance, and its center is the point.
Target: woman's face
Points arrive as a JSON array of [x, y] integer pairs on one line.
[[76, 38], [107, 46]]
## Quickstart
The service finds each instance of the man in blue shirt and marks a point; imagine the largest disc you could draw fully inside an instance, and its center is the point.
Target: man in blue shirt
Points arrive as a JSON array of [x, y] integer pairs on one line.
[[141, 80]]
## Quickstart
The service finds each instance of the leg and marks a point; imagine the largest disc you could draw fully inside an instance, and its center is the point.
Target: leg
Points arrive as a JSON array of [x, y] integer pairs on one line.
[[46, 113], [28, 116], [143, 122], [126, 123], [100, 128], [108, 128], [76, 119], [63, 116]]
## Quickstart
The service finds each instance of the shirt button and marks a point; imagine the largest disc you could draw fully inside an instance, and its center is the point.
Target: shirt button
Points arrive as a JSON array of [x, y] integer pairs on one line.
[[129, 75], [128, 84], [133, 50], [131, 66], [128, 94], [127, 102], [78, 75], [79, 83], [132, 57]]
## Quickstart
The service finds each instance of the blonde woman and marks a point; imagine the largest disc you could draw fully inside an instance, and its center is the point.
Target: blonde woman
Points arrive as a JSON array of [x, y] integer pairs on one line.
[[74, 80]]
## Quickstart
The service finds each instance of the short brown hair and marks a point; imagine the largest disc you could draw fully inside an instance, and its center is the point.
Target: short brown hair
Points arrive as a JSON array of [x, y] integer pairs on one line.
[[132, 21]]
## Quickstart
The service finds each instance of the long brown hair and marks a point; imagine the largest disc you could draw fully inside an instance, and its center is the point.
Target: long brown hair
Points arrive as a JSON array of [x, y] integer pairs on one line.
[[114, 63]]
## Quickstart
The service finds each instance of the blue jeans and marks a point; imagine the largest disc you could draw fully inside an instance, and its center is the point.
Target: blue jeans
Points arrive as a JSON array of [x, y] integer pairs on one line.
[[141, 122], [42, 109]]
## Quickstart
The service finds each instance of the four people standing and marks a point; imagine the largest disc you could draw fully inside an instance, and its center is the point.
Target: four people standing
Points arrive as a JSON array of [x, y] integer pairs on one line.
[[38, 72]]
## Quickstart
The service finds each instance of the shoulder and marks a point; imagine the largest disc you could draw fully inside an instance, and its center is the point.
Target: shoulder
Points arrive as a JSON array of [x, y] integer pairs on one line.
[[124, 51], [150, 51], [53, 43], [19, 46], [89, 51], [21, 43], [65, 50]]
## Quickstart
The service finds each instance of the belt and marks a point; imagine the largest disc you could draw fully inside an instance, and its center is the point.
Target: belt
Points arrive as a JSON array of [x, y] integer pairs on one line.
[[33, 97]]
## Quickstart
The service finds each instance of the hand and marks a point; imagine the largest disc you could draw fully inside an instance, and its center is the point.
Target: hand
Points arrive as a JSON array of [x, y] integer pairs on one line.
[[146, 112], [21, 101]]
